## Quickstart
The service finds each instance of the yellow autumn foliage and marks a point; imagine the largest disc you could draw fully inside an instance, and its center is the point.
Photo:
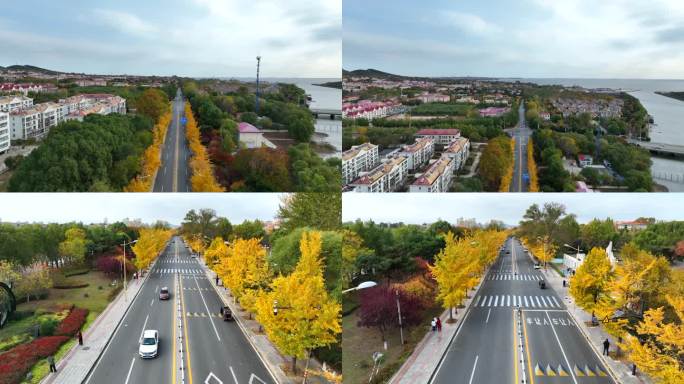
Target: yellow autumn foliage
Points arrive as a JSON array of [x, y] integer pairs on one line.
[[532, 167], [202, 179], [151, 242], [508, 176], [151, 159]]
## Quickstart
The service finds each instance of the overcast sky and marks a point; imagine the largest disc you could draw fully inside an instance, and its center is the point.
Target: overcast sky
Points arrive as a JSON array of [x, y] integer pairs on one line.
[[517, 38], [201, 38], [418, 208], [149, 207]]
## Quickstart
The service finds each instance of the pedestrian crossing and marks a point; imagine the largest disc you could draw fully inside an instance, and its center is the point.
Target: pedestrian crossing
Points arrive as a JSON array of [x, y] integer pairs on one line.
[[179, 261], [510, 276], [187, 271], [197, 289], [202, 314], [523, 301]]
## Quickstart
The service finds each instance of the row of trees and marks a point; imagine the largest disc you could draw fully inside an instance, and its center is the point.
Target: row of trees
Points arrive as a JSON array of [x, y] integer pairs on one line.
[[151, 158], [496, 162], [532, 167], [202, 179], [459, 266], [508, 174], [641, 301], [151, 242]]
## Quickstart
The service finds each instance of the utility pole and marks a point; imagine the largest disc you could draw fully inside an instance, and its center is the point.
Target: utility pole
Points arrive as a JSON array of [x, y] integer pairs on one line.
[[257, 85]]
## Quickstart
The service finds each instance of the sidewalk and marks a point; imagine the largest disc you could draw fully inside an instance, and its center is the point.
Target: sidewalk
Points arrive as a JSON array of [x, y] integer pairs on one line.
[[621, 371], [268, 353], [428, 354], [77, 363]]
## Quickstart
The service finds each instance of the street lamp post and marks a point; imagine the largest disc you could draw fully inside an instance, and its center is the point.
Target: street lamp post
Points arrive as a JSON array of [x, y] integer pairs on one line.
[[124, 266], [401, 327]]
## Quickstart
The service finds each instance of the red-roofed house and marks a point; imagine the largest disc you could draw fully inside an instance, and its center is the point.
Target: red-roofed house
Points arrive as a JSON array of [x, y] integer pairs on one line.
[[440, 136], [585, 160], [634, 225], [251, 137], [437, 178]]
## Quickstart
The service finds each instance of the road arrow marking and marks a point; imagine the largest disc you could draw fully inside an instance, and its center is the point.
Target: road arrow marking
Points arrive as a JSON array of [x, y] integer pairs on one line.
[[253, 376], [212, 376], [538, 370]]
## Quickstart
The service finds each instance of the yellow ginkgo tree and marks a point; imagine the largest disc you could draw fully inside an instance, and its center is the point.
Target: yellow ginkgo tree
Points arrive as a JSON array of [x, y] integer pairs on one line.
[[297, 313], [151, 242], [244, 269], [591, 279]]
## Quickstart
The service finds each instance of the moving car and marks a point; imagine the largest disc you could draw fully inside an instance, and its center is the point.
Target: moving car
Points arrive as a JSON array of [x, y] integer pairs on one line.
[[164, 293], [149, 345], [542, 284], [227, 314]]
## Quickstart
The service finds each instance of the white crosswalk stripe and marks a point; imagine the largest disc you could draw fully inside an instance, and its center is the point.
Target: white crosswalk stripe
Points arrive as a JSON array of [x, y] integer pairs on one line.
[[513, 301]]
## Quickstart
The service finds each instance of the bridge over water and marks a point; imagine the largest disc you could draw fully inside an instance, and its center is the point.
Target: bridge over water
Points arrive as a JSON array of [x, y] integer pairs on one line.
[[332, 113], [661, 149]]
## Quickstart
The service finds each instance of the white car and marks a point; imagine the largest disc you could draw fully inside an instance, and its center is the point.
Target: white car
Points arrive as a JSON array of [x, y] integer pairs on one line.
[[537, 266], [149, 345]]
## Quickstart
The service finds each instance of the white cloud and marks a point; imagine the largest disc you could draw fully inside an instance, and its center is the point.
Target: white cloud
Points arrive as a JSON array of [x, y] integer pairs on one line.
[[470, 23], [124, 22]]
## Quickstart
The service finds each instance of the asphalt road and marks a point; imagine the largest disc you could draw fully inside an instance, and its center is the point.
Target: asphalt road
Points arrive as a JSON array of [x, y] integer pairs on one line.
[[214, 351], [174, 171], [484, 349], [521, 135]]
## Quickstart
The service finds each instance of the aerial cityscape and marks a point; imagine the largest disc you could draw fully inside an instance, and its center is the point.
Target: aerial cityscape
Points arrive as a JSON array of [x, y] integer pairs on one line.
[[342, 192], [518, 123]]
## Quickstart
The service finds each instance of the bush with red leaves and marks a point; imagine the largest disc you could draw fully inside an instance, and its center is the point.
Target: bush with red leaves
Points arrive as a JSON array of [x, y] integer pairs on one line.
[[15, 363], [72, 323], [378, 308]]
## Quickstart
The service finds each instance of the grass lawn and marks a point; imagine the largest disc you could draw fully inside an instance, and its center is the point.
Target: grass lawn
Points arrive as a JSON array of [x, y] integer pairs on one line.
[[359, 343], [94, 297]]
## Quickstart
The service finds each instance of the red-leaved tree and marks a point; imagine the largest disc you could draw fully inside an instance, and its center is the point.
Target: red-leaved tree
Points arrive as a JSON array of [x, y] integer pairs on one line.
[[378, 308]]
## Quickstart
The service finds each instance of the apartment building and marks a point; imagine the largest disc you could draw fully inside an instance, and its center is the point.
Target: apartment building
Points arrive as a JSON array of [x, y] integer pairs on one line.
[[437, 178], [359, 158], [5, 134], [458, 150], [418, 153], [15, 103], [440, 136], [387, 177]]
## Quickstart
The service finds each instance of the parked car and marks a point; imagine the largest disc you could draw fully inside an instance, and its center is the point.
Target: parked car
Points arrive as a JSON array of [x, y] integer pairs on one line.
[[149, 345], [537, 266], [164, 293]]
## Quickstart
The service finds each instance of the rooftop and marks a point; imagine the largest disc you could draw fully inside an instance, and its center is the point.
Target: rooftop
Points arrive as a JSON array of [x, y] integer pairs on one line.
[[247, 128], [432, 174], [456, 145], [440, 132], [420, 143], [355, 150], [378, 172]]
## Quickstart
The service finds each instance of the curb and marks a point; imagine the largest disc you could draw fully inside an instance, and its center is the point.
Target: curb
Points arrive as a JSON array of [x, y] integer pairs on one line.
[[271, 370]]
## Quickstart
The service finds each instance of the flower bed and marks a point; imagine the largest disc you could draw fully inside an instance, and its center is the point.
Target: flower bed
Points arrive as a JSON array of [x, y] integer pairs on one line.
[[15, 363], [72, 323]]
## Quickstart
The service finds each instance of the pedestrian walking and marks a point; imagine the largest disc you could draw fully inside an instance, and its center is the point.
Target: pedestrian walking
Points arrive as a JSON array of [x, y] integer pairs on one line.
[[433, 323], [439, 325], [606, 346], [217, 280], [80, 338], [221, 310], [563, 283], [51, 361]]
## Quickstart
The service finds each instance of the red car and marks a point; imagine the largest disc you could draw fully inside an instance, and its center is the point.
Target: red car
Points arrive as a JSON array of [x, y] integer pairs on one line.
[[164, 294]]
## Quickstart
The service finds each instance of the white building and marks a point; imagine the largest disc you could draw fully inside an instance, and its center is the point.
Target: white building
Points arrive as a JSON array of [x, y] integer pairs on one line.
[[251, 137], [458, 150], [419, 152], [434, 98], [440, 136], [27, 124], [386, 177], [359, 158], [15, 103], [437, 178], [5, 134]]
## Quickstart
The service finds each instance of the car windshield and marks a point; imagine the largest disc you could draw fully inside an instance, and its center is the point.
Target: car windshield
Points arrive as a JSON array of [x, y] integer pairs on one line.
[[164, 291], [149, 341]]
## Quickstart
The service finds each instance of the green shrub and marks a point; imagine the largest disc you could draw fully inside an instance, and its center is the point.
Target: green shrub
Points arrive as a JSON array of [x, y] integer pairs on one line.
[[77, 271], [48, 325], [20, 315]]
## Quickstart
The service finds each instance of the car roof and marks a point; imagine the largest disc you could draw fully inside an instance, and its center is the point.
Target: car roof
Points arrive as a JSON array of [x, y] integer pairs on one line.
[[150, 333], [165, 288]]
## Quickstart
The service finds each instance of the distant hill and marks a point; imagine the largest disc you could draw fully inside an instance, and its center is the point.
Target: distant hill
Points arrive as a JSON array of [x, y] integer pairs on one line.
[[30, 68], [373, 73]]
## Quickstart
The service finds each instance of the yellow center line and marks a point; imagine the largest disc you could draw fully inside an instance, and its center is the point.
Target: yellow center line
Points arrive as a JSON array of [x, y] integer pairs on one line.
[[175, 162], [185, 331], [527, 349], [515, 348]]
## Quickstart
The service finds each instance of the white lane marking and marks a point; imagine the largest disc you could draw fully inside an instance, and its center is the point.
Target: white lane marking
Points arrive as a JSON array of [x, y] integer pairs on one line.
[[537, 298], [129, 371], [151, 302], [233, 373], [526, 304], [508, 300], [208, 312], [472, 374], [514, 304], [572, 372], [543, 301], [490, 301], [488, 313], [143, 328], [496, 300], [532, 302], [554, 300], [477, 301], [211, 375]]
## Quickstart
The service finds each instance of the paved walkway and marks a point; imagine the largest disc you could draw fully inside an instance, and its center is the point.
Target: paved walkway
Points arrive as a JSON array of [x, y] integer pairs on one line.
[[14, 151], [77, 363], [427, 355], [620, 370], [271, 357]]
